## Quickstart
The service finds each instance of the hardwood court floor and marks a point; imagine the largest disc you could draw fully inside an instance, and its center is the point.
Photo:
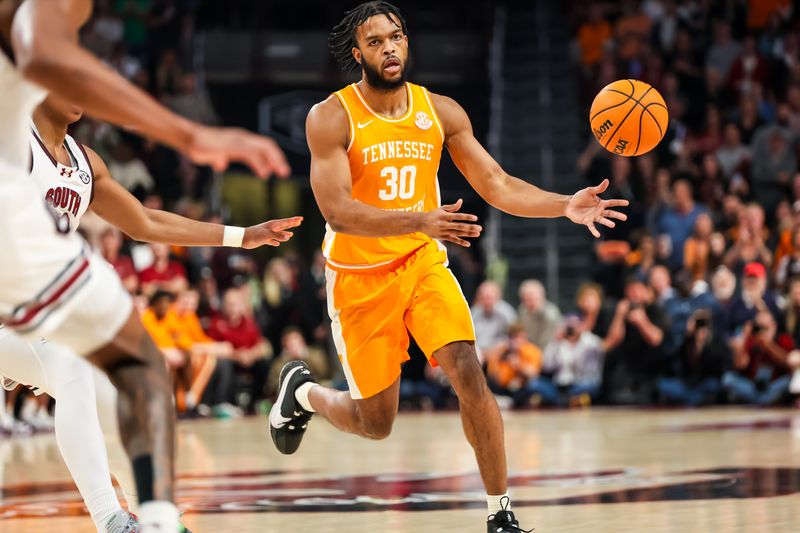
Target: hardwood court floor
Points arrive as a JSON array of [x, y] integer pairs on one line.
[[603, 470]]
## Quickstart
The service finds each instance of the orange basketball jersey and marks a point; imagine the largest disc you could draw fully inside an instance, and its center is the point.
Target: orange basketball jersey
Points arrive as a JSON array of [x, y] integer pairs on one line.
[[393, 165]]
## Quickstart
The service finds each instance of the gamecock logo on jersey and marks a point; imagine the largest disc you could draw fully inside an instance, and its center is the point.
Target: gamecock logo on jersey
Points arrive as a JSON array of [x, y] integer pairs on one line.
[[423, 121]]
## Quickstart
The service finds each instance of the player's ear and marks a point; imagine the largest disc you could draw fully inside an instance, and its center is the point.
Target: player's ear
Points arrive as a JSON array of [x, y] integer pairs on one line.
[[357, 55]]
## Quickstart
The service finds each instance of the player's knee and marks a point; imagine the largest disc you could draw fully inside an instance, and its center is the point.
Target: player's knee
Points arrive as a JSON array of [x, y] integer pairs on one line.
[[468, 378], [69, 372], [377, 428]]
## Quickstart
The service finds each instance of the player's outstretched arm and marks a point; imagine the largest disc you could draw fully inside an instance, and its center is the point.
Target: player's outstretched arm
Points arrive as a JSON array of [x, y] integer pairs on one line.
[[44, 36], [513, 195], [326, 132], [121, 209]]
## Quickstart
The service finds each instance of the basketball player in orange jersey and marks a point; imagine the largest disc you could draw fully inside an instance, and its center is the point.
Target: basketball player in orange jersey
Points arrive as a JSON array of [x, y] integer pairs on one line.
[[375, 150], [50, 285]]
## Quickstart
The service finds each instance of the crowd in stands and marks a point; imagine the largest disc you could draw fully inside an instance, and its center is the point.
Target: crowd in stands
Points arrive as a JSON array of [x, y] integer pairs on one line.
[[694, 301]]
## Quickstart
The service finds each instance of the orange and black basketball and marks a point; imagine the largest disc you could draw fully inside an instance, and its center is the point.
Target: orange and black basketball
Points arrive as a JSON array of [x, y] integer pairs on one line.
[[628, 117]]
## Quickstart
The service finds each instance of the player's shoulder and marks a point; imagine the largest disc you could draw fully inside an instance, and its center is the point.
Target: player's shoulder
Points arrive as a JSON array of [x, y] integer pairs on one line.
[[327, 120], [330, 109], [99, 168], [450, 112]]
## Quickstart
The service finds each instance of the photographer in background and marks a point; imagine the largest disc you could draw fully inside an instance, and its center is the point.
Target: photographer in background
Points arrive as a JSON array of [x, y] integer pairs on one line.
[[701, 361], [634, 340], [761, 358], [512, 364], [575, 360]]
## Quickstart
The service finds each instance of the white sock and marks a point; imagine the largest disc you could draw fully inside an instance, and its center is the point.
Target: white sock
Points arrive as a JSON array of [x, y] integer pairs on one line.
[[498, 503], [190, 400], [301, 395], [158, 517], [102, 504]]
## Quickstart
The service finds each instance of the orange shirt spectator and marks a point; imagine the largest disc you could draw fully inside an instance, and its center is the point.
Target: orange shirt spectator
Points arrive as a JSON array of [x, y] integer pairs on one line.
[[633, 33], [163, 324], [593, 35], [514, 362]]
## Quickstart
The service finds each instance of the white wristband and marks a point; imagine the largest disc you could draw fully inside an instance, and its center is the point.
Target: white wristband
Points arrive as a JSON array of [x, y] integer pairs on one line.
[[233, 236]]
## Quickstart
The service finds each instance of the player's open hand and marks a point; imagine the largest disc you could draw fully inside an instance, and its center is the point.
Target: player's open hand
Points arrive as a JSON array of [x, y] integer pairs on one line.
[[447, 224], [587, 208], [219, 147], [270, 233]]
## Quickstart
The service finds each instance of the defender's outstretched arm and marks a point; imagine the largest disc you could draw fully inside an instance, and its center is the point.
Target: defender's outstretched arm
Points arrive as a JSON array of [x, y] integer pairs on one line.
[[121, 209]]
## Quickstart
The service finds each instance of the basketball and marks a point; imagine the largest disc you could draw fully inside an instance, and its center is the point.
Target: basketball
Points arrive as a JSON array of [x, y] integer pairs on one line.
[[628, 117]]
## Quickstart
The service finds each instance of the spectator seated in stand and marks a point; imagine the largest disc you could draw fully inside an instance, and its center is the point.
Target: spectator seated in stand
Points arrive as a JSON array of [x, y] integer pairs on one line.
[[110, 245], [761, 363], [164, 273], [574, 359], [697, 370], [538, 316], [214, 400], [191, 367], [511, 364], [491, 316], [295, 348], [251, 352], [754, 296]]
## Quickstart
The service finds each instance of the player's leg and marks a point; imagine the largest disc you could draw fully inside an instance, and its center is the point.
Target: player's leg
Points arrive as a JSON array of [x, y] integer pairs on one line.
[[372, 341], [439, 320], [102, 323], [146, 414], [480, 416], [118, 461], [371, 418], [68, 378]]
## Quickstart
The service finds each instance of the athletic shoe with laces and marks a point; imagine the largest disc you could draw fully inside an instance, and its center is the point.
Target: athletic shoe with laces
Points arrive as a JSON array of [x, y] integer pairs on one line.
[[288, 421], [504, 521], [121, 522]]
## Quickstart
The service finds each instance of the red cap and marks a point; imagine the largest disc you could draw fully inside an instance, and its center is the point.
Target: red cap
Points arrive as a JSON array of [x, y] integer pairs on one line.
[[755, 270]]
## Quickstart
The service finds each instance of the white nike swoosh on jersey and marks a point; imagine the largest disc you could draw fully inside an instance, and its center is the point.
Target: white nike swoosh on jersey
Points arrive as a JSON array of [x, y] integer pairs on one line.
[[364, 125]]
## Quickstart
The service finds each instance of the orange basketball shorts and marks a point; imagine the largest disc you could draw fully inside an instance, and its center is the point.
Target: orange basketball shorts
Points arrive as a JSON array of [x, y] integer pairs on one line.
[[373, 312]]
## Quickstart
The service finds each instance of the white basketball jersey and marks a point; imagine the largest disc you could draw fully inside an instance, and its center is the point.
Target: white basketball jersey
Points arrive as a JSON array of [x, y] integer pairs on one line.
[[68, 189], [19, 98]]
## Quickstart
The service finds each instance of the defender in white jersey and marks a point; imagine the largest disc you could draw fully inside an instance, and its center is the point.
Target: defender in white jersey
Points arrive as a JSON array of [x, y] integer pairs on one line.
[[49, 283], [64, 171]]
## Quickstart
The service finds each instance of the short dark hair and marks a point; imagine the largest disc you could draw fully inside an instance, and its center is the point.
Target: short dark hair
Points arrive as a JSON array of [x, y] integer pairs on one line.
[[342, 38]]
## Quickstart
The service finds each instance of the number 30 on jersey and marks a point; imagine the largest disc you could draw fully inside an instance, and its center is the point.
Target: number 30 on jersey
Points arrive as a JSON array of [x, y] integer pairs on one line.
[[400, 183]]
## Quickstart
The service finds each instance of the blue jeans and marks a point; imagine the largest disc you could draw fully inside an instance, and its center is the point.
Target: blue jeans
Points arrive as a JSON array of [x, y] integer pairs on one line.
[[677, 391], [552, 395], [743, 389], [414, 390]]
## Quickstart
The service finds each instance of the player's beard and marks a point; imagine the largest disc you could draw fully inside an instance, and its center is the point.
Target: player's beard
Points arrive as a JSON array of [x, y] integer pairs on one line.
[[376, 80]]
